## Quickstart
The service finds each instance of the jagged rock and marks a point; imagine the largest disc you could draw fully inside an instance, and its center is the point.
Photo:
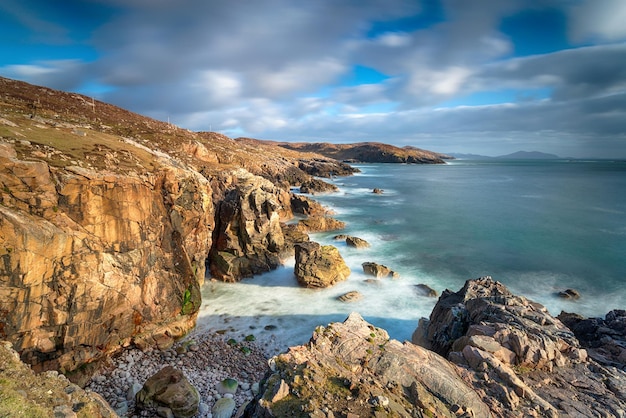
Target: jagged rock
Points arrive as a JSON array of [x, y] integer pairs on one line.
[[351, 296], [320, 224], [319, 266], [249, 237], [519, 358], [170, 388], [425, 290], [340, 237], [377, 191], [24, 393], [354, 365], [326, 168], [313, 186], [356, 242], [378, 270], [305, 206], [604, 339]]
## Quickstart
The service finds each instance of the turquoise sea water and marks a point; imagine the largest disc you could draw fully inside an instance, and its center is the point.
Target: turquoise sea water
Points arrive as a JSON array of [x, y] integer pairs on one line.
[[537, 226]]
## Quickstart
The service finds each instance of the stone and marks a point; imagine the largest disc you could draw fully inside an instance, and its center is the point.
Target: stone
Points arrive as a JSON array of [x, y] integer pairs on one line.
[[356, 242], [320, 224], [425, 290], [377, 191], [223, 408], [227, 386], [313, 186], [378, 270], [170, 388], [319, 266]]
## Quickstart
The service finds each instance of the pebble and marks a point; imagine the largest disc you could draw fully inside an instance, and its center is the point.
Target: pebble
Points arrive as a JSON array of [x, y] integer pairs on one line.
[[206, 359]]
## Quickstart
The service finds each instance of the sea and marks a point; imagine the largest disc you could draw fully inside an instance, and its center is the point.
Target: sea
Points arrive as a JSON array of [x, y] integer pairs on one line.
[[537, 226]]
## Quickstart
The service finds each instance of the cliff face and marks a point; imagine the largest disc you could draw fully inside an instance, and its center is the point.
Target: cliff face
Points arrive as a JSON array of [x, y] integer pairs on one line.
[[92, 260], [107, 220]]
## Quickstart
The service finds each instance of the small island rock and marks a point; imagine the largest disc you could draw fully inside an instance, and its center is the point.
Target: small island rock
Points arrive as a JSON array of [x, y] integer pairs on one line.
[[319, 266]]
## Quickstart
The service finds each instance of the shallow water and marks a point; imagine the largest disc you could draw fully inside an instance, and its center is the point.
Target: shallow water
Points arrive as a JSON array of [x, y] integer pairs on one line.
[[537, 226]]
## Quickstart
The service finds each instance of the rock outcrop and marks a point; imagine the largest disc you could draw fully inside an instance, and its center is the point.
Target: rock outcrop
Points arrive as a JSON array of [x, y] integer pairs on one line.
[[319, 266], [353, 369], [519, 359], [248, 236], [314, 185]]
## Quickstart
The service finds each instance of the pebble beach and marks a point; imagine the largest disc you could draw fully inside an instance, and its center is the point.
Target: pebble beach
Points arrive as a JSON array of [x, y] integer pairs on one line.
[[205, 359]]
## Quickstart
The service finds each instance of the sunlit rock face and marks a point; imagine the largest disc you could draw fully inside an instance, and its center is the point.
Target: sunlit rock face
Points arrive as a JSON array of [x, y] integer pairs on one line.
[[92, 260]]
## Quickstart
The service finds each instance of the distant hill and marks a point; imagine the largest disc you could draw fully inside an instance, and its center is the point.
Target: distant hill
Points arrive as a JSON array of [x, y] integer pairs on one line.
[[519, 155], [529, 155], [368, 152]]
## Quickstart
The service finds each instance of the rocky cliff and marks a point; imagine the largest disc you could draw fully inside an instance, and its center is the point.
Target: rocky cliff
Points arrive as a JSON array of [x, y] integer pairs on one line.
[[109, 220]]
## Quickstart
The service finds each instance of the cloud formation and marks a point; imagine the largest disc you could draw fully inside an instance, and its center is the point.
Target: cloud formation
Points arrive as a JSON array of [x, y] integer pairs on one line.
[[448, 76]]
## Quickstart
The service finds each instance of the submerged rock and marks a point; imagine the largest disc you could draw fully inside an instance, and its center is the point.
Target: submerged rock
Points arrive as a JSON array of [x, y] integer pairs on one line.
[[352, 296], [319, 266], [425, 290]]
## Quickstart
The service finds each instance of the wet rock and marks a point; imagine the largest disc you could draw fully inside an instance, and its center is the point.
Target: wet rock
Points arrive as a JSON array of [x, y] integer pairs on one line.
[[378, 270], [425, 290], [377, 191], [356, 242], [319, 266], [569, 294], [170, 388], [352, 296], [305, 206]]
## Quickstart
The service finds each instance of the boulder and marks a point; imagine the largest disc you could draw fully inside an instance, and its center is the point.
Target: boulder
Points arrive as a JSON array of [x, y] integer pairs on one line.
[[354, 366], [169, 388], [319, 266], [378, 270], [377, 191], [223, 408], [356, 242]]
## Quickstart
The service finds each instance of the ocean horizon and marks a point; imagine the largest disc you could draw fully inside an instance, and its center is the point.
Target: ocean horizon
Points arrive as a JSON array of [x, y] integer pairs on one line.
[[537, 226]]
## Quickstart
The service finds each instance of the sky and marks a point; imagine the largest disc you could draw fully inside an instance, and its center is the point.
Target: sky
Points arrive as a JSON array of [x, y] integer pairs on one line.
[[488, 77]]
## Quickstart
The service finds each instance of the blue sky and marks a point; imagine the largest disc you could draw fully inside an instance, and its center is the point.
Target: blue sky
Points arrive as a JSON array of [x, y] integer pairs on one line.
[[482, 76]]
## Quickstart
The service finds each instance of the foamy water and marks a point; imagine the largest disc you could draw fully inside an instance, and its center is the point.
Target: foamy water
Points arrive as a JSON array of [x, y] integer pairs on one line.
[[539, 227]]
